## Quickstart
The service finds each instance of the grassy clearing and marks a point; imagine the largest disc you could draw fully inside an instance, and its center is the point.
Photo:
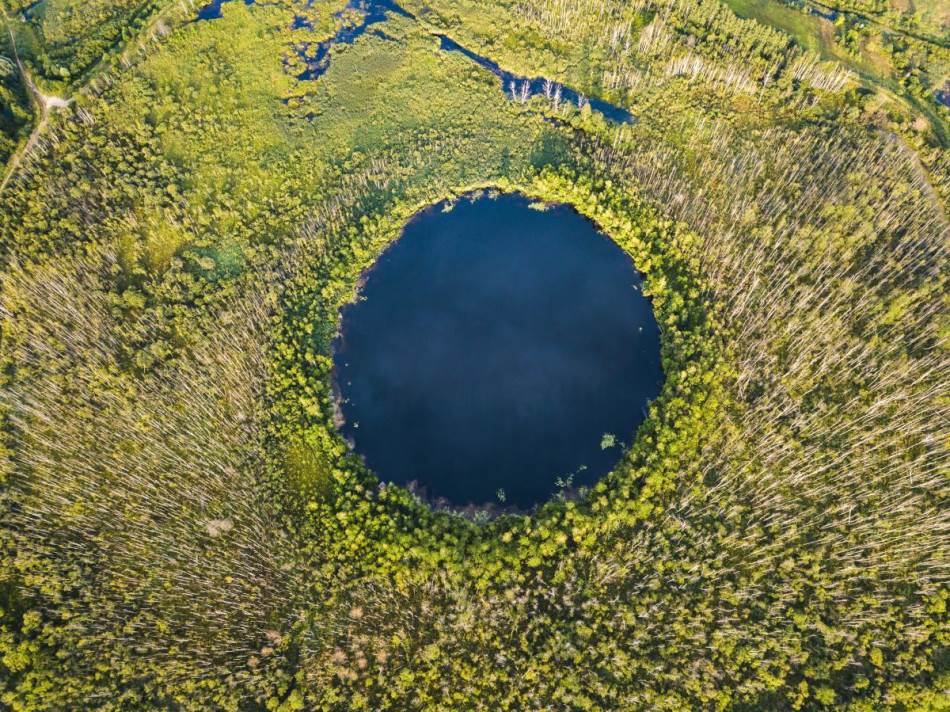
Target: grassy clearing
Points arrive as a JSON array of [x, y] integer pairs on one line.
[[870, 58]]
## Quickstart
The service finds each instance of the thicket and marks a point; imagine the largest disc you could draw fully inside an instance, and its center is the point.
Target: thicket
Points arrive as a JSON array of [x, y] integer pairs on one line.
[[15, 112], [63, 40], [181, 525]]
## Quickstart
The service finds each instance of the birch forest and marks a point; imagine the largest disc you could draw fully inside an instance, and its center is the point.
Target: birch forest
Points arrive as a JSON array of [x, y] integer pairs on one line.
[[193, 192]]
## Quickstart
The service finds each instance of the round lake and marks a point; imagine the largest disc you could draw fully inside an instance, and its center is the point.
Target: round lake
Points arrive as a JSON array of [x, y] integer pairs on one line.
[[492, 349]]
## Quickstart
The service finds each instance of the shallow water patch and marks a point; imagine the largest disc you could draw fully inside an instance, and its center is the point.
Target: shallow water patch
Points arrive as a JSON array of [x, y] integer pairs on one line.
[[212, 11]]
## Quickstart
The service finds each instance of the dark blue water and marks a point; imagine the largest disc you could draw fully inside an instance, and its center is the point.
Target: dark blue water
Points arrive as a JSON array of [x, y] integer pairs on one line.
[[493, 348], [301, 23]]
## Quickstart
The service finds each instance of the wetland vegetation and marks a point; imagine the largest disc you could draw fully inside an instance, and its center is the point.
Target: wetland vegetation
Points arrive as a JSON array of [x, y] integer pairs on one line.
[[183, 524]]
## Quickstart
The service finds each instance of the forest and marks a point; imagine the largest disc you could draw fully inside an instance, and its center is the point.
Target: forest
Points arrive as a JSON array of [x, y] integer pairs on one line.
[[188, 204]]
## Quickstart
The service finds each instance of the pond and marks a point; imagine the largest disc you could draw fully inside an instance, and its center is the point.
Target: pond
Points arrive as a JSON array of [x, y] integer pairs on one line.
[[497, 353]]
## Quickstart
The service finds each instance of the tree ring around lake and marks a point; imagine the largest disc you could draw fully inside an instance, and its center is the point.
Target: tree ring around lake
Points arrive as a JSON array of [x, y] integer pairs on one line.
[[320, 468]]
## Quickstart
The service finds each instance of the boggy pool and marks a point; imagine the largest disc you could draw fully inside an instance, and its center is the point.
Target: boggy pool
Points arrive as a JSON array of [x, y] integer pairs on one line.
[[492, 349]]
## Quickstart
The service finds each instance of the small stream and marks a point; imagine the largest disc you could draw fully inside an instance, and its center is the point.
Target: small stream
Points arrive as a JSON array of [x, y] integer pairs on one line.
[[519, 88], [31, 9], [516, 87], [823, 13]]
